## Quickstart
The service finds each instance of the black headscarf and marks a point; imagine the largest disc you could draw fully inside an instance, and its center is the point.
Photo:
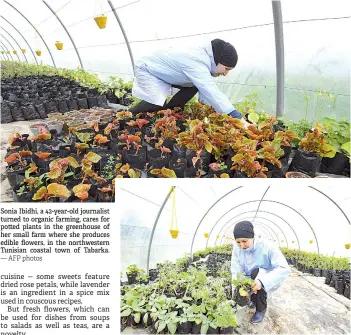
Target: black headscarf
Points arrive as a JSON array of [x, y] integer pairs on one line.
[[224, 53], [244, 229]]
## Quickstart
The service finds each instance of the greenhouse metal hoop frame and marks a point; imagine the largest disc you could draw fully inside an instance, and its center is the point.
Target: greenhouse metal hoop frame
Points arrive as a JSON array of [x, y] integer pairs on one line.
[[257, 211], [279, 45]]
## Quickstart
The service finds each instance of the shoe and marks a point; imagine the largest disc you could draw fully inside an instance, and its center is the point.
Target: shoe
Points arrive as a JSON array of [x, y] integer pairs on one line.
[[252, 304], [258, 317]]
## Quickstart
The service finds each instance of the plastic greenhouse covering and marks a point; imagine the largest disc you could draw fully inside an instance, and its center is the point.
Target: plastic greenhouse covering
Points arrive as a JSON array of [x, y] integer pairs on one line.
[[314, 39], [309, 217]]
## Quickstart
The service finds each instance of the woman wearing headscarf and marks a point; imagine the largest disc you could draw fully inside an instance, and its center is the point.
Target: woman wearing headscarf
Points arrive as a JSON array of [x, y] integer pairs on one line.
[[190, 71], [260, 260]]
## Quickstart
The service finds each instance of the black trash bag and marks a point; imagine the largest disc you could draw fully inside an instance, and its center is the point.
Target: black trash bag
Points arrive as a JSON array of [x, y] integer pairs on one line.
[[82, 103], [51, 107], [102, 101], [305, 162], [30, 112], [17, 114], [72, 104], [335, 165], [92, 102], [6, 116], [41, 111], [62, 105]]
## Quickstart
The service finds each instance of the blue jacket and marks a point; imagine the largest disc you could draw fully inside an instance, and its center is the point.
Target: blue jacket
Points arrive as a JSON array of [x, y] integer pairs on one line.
[[273, 267], [155, 75]]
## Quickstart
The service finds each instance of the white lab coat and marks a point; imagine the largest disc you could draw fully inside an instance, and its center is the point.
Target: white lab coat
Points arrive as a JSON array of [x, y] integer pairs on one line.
[[155, 75], [273, 267]]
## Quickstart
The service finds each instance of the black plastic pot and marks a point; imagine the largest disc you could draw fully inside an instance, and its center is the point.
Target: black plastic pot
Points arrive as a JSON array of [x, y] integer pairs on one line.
[[324, 273], [178, 165], [179, 152], [153, 273], [328, 277], [156, 160], [227, 330], [12, 176], [131, 278], [196, 329], [213, 330], [305, 162], [135, 159], [238, 174], [241, 301], [212, 173], [203, 162], [317, 272], [287, 151], [347, 290], [339, 286], [169, 143], [185, 328], [335, 165]]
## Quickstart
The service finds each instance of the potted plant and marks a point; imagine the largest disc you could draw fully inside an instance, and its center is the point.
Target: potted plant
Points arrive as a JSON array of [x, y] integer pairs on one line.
[[312, 148], [242, 289], [132, 273], [246, 165], [162, 173]]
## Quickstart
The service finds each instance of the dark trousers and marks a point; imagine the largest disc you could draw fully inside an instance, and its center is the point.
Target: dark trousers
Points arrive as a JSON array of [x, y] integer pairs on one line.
[[178, 100], [260, 298]]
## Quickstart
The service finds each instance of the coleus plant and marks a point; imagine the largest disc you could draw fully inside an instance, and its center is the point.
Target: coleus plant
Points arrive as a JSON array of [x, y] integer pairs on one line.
[[285, 137], [81, 191], [131, 140], [100, 139], [138, 123], [245, 161], [125, 170], [315, 142], [124, 115], [263, 131], [17, 158], [84, 139], [53, 190], [271, 152], [58, 169], [166, 127], [163, 173]]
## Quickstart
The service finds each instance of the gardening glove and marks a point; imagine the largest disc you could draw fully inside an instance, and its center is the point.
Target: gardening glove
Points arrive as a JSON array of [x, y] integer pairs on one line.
[[256, 286], [235, 114]]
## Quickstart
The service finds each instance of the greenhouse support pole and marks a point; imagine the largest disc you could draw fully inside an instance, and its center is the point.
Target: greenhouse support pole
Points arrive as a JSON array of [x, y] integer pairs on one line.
[[279, 54], [22, 37], [6, 50], [69, 35], [124, 34], [10, 45], [52, 58], [16, 43], [154, 228], [259, 204]]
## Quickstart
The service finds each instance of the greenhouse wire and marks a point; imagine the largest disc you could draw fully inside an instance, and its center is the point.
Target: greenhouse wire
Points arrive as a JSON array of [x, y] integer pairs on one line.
[[189, 196], [264, 218], [139, 196], [10, 45], [334, 202], [19, 47], [123, 33], [259, 204], [49, 17], [30, 48], [89, 18]]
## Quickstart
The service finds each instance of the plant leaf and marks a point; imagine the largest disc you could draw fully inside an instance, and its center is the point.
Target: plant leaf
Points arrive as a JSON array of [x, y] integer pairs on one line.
[[58, 191], [43, 155], [93, 157], [54, 173], [40, 194]]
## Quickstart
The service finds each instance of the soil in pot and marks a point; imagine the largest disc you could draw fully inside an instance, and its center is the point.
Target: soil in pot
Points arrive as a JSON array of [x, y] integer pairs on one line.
[[305, 162], [293, 174]]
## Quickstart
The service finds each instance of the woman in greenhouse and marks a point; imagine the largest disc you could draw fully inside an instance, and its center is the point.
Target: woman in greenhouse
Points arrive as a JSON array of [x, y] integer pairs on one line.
[[190, 71], [261, 261]]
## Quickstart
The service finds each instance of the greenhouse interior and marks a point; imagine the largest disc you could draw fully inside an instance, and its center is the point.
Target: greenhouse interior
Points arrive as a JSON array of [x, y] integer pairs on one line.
[[68, 75], [176, 257]]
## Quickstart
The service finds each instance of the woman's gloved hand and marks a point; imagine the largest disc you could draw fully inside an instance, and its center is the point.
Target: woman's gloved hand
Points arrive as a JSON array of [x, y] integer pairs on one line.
[[237, 115]]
